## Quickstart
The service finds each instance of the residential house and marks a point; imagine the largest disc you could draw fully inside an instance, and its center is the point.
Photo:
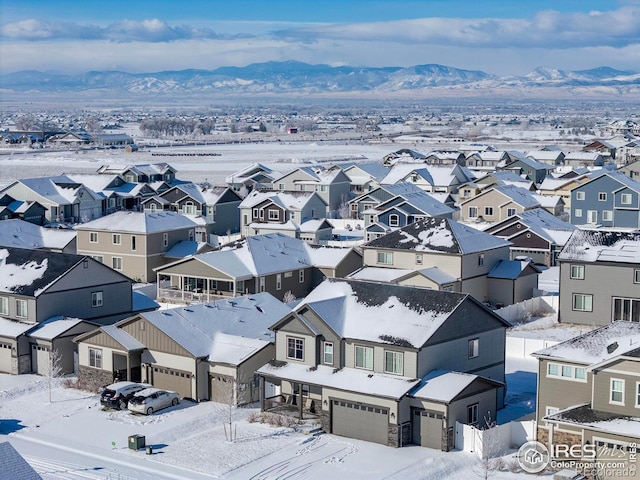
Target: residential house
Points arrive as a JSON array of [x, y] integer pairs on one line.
[[253, 177], [429, 277], [64, 199], [262, 210], [584, 159], [445, 157], [135, 243], [632, 169], [561, 187], [552, 204], [20, 234], [600, 277], [370, 374], [551, 157], [407, 205], [588, 395], [629, 152], [497, 203], [534, 233], [273, 263], [218, 207], [404, 155], [333, 186], [529, 168], [461, 252], [29, 211], [204, 351], [37, 285], [432, 179], [116, 193], [142, 173], [487, 159], [603, 147], [610, 199], [364, 176]]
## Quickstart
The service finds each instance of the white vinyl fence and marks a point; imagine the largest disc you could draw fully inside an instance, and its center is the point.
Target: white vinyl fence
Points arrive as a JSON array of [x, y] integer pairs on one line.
[[531, 307], [495, 441]]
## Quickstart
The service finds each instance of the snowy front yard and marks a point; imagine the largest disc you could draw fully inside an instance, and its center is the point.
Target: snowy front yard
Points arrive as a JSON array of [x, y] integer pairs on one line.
[[81, 440]]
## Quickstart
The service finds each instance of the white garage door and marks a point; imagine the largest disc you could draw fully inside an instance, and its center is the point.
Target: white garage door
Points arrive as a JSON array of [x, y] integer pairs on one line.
[[364, 422], [5, 357], [40, 359]]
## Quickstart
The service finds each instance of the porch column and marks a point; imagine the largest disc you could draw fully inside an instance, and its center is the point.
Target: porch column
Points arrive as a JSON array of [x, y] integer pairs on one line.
[[300, 401], [234, 286], [128, 368], [182, 287], [262, 397]]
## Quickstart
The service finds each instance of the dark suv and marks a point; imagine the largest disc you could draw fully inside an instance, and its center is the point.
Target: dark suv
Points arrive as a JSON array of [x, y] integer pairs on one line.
[[118, 394]]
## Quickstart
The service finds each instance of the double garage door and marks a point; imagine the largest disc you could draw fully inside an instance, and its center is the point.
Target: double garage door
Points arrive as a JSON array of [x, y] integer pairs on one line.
[[170, 379], [364, 422]]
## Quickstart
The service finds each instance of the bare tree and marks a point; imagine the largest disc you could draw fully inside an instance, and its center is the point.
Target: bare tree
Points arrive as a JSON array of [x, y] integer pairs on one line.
[[54, 368], [288, 297], [343, 208], [489, 464]]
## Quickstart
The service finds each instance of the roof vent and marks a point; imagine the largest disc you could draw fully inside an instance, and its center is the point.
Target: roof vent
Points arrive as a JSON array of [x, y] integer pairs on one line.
[[370, 375], [612, 347], [259, 308]]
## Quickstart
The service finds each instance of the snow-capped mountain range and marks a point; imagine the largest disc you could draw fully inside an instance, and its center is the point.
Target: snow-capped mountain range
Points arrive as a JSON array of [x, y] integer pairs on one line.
[[297, 78]]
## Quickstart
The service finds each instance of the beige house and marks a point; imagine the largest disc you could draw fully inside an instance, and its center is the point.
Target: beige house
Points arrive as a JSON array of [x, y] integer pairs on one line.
[[497, 203], [203, 352], [134, 243], [561, 187]]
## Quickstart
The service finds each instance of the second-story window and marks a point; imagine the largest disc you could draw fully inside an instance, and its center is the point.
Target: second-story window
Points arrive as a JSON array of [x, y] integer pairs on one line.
[[473, 212], [274, 214], [617, 391], [279, 281], [165, 239], [328, 353], [93, 237], [116, 239], [474, 347], [385, 258], [133, 242], [580, 196], [577, 272], [393, 362], [625, 199], [96, 299], [4, 305], [418, 259], [394, 220], [295, 348], [488, 211], [481, 259], [602, 196], [21, 309], [364, 357], [300, 276]]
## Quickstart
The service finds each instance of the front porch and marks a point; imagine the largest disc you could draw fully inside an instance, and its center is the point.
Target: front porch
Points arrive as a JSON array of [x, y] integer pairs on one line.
[[294, 401], [189, 289]]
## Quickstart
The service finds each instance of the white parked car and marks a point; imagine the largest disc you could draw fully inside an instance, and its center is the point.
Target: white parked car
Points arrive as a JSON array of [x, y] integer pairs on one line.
[[152, 399]]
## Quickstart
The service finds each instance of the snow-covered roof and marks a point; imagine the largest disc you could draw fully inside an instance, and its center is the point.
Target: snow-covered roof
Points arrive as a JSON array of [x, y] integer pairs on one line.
[[597, 345], [227, 331], [597, 420], [140, 222], [313, 225], [12, 328], [123, 338], [548, 201], [415, 197], [519, 195], [546, 225], [439, 235], [59, 189], [508, 269], [185, 248], [381, 312], [348, 379], [442, 385], [30, 272], [578, 155], [21, 234], [53, 327], [602, 245], [286, 200], [379, 274], [373, 170], [544, 155]]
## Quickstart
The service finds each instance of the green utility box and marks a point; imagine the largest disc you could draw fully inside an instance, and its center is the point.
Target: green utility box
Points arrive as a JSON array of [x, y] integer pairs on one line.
[[136, 442]]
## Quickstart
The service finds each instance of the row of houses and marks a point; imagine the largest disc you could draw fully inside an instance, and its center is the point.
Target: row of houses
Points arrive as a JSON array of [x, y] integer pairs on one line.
[[66, 139]]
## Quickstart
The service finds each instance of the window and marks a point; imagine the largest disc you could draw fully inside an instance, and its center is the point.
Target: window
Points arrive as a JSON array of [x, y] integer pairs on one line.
[[617, 391], [636, 276], [116, 263], [394, 220], [95, 357], [602, 197], [552, 369], [418, 259], [481, 259], [96, 299], [579, 195], [21, 309], [189, 208], [4, 306], [261, 286], [582, 302], [328, 353], [473, 212], [488, 211], [472, 414], [474, 347], [93, 237], [281, 186], [627, 309], [364, 357], [567, 371], [116, 239], [577, 272], [385, 258], [255, 213], [551, 411], [133, 242], [261, 214], [300, 276], [579, 373], [98, 258], [466, 193], [274, 214], [577, 213], [625, 199], [511, 212], [607, 215], [394, 362], [295, 348], [279, 281], [592, 216], [165, 239], [637, 394]]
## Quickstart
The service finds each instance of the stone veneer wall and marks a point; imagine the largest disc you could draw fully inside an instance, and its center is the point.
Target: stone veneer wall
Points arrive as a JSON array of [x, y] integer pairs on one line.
[[93, 377]]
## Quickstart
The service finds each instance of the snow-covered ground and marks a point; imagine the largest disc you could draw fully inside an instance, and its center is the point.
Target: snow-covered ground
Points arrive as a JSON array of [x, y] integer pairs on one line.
[[73, 437]]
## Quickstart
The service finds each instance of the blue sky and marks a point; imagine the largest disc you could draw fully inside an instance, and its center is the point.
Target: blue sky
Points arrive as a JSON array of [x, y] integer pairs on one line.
[[502, 37]]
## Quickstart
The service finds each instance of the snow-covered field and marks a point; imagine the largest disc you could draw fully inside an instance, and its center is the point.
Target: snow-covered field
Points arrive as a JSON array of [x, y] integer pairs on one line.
[[73, 437]]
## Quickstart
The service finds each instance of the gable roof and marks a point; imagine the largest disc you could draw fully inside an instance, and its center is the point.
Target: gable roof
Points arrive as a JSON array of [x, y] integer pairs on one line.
[[541, 222], [510, 269], [21, 234], [140, 222], [445, 385], [54, 327], [416, 197], [30, 272], [439, 235], [286, 200], [382, 312]]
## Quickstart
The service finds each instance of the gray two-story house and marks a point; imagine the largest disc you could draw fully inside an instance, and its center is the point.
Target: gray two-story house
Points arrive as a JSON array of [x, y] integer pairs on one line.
[[600, 277], [371, 361]]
